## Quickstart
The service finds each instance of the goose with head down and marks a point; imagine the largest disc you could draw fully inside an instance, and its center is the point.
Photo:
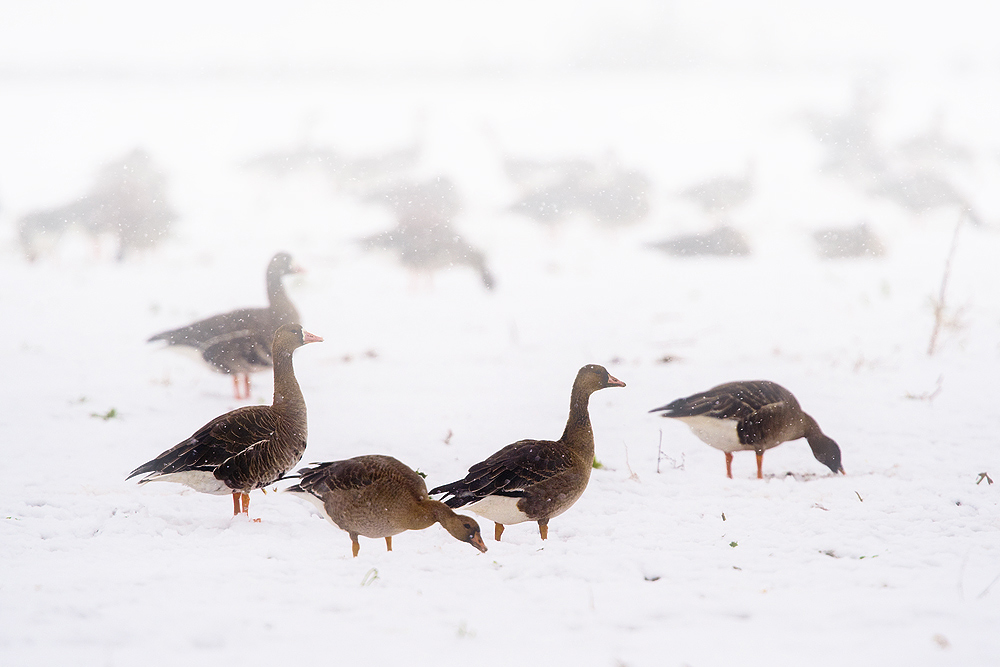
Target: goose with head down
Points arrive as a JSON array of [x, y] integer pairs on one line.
[[247, 448], [535, 480], [379, 496], [239, 342], [753, 416]]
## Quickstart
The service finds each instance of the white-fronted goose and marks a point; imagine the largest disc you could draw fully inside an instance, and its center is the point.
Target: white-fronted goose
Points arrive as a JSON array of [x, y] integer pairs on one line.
[[536, 480], [845, 242], [424, 238], [723, 241], [754, 416], [247, 448], [239, 342], [378, 496], [722, 193], [128, 202]]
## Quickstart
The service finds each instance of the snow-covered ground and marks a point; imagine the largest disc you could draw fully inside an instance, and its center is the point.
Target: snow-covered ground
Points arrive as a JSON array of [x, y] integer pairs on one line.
[[664, 561]]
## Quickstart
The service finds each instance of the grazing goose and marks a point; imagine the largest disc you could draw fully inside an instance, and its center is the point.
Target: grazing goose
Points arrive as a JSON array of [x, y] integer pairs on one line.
[[424, 238], [247, 448], [845, 242], [239, 342], [751, 416], [535, 480], [723, 241], [722, 193], [378, 496]]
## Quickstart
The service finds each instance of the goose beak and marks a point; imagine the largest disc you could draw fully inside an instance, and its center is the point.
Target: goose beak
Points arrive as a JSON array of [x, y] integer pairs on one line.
[[477, 541], [311, 338], [614, 382]]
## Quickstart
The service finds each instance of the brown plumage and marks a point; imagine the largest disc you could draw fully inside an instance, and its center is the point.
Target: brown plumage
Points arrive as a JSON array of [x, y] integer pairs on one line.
[[247, 448], [751, 416], [239, 342], [536, 480], [378, 496]]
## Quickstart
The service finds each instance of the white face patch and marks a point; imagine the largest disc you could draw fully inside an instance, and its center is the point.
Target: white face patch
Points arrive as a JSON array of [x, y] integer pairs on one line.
[[500, 509]]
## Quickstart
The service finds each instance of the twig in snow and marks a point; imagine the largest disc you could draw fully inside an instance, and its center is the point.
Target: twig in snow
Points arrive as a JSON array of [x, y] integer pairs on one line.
[[927, 395], [983, 476], [660, 456], [987, 589], [939, 303], [631, 473]]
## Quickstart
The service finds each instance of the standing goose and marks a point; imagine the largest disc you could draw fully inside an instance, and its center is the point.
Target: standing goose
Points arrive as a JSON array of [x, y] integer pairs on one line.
[[751, 416], [535, 480], [247, 448], [378, 496], [239, 342]]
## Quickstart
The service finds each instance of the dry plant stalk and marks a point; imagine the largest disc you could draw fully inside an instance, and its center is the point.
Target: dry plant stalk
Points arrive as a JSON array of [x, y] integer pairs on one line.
[[939, 304]]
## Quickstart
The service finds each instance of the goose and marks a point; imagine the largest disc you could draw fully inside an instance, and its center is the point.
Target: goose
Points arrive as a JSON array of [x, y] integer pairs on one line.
[[723, 241], [424, 239], [722, 193], [239, 342], [751, 416], [535, 480], [378, 496], [248, 448], [844, 242]]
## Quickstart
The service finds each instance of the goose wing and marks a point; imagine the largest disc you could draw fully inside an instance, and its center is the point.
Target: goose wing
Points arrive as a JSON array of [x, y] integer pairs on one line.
[[235, 435], [733, 400], [509, 472]]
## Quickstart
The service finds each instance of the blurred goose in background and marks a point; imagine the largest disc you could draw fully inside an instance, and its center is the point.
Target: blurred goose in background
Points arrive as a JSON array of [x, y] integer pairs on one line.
[[424, 239], [379, 496], [239, 342], [722, 193], [920, 190], [723, 241], [845, 242], [751, 416], [606, 191], [535, 480], [247, 448], [933, 146], [127, 203], [848, 138]]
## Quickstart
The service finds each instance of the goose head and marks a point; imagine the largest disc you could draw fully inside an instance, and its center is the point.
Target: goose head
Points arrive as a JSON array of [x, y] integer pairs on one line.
[[291, 337], [592, 377], [282, 265], [826, 451], [464, 529]]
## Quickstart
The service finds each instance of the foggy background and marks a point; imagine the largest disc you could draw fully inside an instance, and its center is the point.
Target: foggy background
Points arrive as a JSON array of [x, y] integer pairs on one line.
[[673, 93]]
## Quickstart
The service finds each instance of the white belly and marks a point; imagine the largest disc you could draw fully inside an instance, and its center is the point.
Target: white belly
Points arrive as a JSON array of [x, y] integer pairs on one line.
[[719, 433], [499, 509], [199, 480], [318, 502]]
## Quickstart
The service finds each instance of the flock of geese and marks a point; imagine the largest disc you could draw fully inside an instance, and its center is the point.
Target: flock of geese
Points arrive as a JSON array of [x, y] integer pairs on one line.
[[378, 496]]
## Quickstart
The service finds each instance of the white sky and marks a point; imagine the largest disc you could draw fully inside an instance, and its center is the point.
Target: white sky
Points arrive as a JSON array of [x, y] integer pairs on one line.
[[65, 34]]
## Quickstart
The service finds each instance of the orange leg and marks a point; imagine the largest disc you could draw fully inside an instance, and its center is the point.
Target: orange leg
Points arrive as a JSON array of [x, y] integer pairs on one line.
[[241, 385], [498, 531], [760, 465], [245, 506], [355, 545], [729, 465], [388, 543], [236, 503], [543, 528]]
